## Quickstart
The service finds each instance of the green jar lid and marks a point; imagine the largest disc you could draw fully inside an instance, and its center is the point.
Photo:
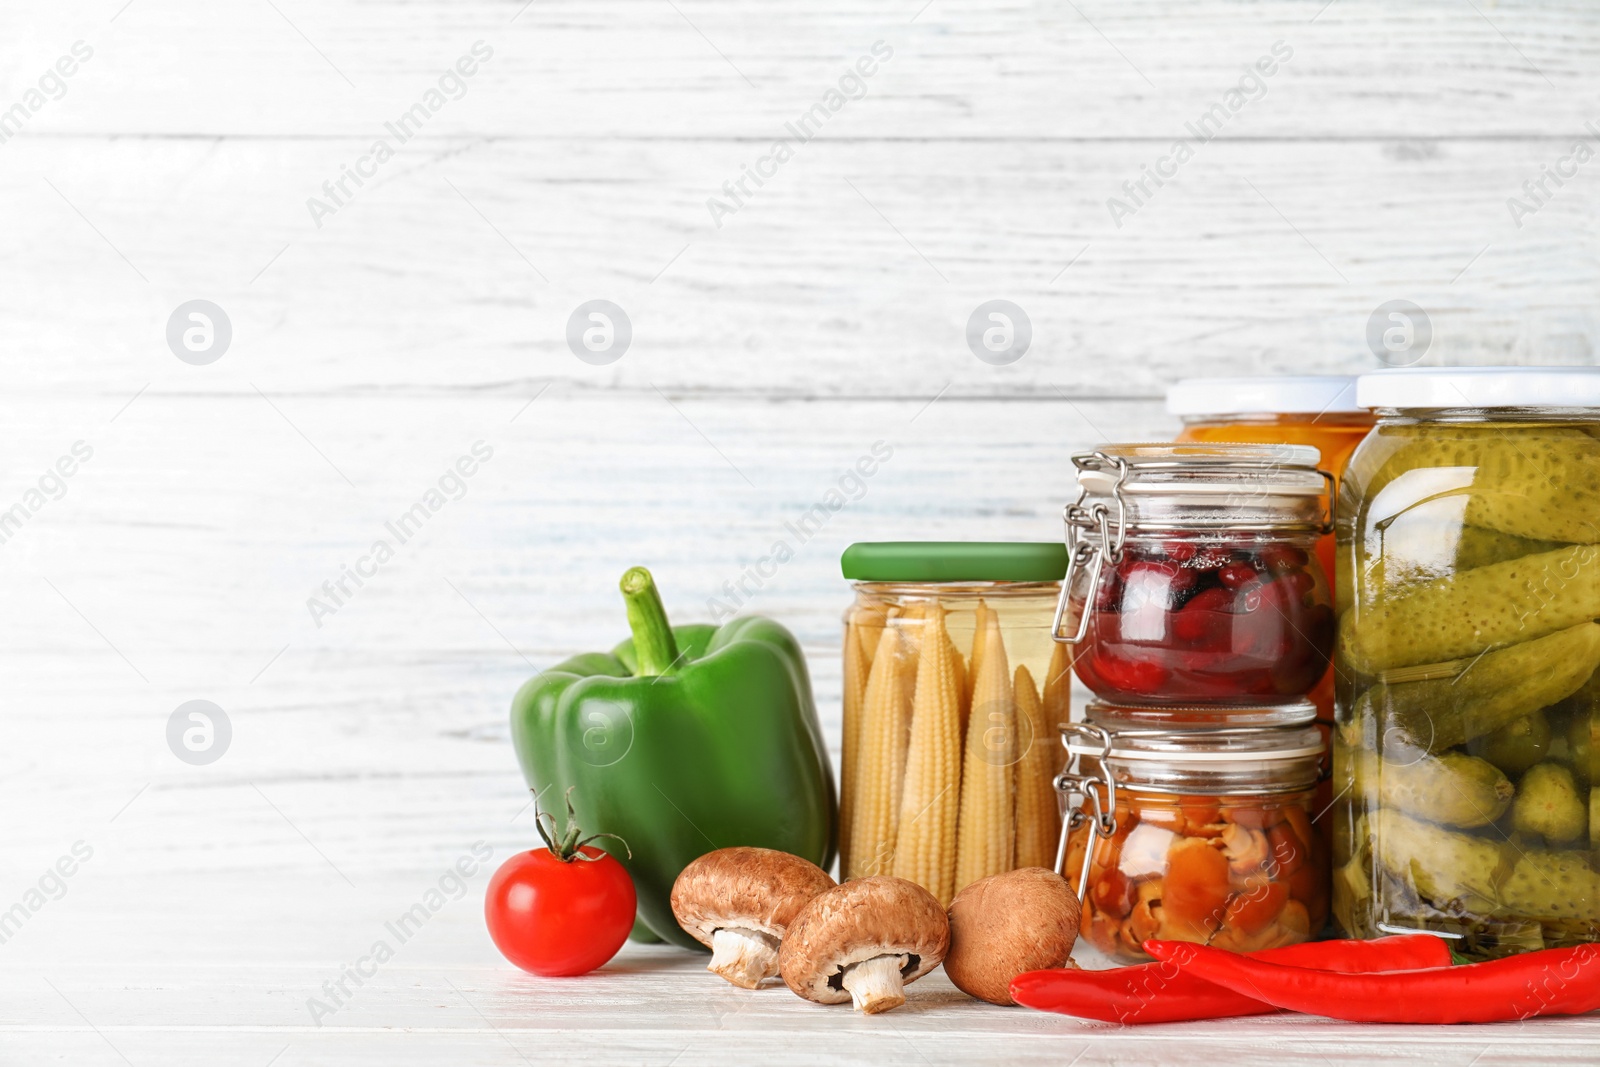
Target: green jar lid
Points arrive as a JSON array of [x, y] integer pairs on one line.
[[955, 561]]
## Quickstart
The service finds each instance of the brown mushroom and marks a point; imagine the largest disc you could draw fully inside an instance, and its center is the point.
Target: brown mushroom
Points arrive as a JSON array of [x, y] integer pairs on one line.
[[738, 902], [1008, 924], [863, 941]]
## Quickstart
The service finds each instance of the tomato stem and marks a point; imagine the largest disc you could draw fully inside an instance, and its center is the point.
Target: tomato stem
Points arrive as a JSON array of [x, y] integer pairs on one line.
[[567, 845]]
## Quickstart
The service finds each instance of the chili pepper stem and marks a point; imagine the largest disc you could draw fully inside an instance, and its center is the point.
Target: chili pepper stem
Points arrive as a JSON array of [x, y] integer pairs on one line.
[[655, 649]]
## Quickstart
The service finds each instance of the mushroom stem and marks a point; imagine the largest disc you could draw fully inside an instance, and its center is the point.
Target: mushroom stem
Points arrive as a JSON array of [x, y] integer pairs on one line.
[[743, 956], [875, 985]]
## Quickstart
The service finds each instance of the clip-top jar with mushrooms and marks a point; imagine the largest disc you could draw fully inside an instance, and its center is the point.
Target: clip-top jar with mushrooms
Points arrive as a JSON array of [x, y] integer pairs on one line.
[[1193, 577], [1194, 825], [953, 693]]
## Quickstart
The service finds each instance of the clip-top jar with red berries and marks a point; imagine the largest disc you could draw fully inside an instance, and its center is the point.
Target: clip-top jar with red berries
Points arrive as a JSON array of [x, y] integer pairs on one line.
[[1193, 576]]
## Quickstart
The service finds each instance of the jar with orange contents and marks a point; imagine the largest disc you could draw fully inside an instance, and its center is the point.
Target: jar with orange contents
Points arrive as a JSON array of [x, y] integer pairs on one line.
[[1194, 825]]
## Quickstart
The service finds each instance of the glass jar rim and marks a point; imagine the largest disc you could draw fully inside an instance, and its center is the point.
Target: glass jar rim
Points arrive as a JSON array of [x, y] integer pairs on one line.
[[1225, 761], [1205, 484], [1197, 717], [1511, 413]]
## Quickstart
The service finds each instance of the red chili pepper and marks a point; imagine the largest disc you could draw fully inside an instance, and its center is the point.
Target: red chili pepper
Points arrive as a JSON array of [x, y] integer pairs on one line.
[[1163, 993], [1551, 981]]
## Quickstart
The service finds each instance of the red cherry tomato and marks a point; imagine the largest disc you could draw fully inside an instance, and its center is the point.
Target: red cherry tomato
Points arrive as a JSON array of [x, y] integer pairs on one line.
[[558, 918]]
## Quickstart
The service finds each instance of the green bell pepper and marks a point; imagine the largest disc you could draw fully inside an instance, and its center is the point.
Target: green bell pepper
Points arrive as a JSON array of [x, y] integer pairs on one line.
[[681, 741]]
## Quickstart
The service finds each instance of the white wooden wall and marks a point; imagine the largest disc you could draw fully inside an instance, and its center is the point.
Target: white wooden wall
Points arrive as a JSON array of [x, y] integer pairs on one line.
[[825, 314]]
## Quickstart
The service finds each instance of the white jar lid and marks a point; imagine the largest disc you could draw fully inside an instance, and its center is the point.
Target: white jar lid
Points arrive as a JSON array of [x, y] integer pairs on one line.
[[1295, 394], [1480, 387]]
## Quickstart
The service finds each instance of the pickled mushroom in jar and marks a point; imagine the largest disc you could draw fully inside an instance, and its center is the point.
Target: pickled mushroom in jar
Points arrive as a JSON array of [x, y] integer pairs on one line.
[[1242, 873]]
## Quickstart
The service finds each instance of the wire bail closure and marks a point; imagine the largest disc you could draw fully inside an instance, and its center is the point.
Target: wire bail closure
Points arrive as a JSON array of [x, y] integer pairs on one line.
[[1096, 534], [1078, 789], [1085, 552]]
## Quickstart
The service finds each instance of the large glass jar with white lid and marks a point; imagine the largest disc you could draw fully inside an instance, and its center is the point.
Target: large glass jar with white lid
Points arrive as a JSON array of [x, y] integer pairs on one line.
[[1467, 751]]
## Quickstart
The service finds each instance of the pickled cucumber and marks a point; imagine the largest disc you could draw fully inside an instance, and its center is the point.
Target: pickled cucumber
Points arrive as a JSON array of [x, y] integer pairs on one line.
[[1466, 874], [1479, 546], [1483, 695], [1547, 803], [1518, 744], [1488, 607], [1451, 788], [1541, 483], [1582, 750], [1418, 547]]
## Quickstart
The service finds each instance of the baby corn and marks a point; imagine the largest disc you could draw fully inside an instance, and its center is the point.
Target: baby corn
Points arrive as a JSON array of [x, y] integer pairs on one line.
[[926, 847], [878, 774], [986, 839], [1038, 815], [856, 667]]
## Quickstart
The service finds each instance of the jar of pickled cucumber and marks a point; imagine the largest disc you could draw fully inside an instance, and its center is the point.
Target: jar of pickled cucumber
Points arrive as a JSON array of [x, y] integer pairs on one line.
[[953, 692], [1195, 826], [1467, 731], [1193, 576]]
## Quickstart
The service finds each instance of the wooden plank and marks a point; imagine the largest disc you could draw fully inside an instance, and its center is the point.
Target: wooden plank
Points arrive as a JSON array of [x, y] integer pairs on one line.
[[855, 272], [713, 68]]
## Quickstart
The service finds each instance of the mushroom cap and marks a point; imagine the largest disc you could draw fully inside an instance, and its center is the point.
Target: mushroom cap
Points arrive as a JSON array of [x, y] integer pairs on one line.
[[753, 888], [1007, 924], [861, 919]]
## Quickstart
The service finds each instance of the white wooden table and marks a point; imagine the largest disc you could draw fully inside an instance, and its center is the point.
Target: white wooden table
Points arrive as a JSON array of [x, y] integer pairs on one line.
[[370, 752]]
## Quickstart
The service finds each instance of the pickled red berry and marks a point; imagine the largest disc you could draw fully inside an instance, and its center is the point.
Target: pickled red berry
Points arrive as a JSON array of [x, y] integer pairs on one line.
[[1131, 676], [1179, 621], [1271, 595], [1109, 596], [1207, 619], [1279, 558], [1146, 582], [1299, 582], [1236, 575], [1180, 551]]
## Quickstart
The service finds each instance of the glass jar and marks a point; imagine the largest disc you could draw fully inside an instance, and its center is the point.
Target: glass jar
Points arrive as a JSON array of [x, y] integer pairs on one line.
[[1199, 834], [1193, 577], [953, 692], [1466, 748]]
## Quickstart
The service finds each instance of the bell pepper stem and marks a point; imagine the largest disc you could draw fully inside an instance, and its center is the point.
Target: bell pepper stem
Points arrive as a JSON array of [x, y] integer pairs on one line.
[[655, 649]]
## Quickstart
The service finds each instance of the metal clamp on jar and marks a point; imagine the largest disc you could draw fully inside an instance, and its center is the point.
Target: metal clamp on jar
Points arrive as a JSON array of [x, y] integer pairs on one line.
[[1192, 576], [1201, 833]]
